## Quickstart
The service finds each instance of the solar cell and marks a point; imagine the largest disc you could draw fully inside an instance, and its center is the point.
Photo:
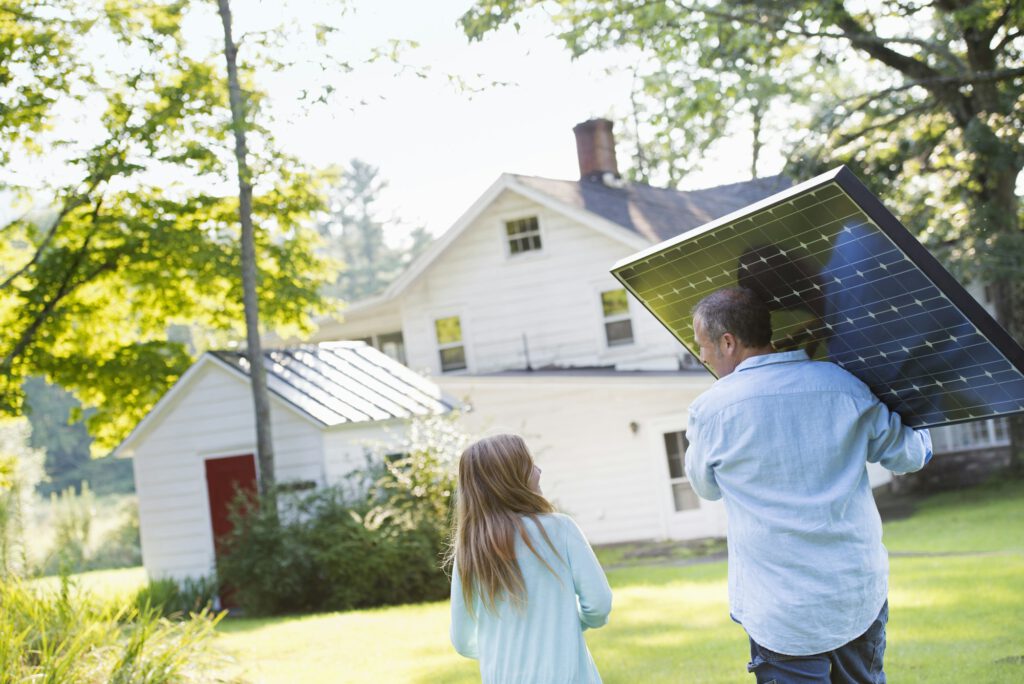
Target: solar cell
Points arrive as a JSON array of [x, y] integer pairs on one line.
[[847, 282]]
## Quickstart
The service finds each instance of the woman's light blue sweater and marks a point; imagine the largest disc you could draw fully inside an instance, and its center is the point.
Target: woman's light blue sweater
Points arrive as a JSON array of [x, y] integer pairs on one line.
[[541, 643]]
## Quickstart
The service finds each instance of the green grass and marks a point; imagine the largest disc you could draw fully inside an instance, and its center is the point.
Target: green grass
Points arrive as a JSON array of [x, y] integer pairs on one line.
[[952, 617], [103, 584]]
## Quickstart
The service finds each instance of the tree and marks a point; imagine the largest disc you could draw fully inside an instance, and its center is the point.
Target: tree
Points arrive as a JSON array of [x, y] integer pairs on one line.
[[354, 235], [257, 371], [129, 234], [927, 110], [64, 441]]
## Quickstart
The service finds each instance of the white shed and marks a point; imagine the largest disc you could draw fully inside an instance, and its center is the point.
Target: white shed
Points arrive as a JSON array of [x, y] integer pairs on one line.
[[329, 404]]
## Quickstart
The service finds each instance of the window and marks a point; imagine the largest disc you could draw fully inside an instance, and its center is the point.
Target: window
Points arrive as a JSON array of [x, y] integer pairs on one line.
[[618, 328], [449, 343], [682, 493], [393, 345], [523, 235]]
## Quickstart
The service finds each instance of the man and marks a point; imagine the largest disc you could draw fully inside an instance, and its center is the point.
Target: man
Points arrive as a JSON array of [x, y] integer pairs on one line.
[[785, 441]]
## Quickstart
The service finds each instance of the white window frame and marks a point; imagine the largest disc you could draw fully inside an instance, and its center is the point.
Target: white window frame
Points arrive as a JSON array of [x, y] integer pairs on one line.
[[605, 320], [434, 318], [597, 288], [673, 481], [509, 217]]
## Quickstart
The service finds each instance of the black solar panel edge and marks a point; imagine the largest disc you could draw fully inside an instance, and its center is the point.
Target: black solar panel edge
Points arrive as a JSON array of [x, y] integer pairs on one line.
[[931, 267]]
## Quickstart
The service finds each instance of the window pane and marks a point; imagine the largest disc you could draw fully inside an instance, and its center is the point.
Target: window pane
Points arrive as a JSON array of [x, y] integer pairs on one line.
[[614, 302], [449, 331], [453, 358], [675, 448], [619, 332], [684, 497], [526, 225]]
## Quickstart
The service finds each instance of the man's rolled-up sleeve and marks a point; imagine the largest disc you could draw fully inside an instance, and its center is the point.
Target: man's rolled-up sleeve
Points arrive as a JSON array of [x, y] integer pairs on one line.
[[895, 446], [700, 469]]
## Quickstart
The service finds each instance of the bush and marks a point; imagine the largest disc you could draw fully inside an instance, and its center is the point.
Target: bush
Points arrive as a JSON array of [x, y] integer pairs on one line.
[[69, 637], [21, 468], [177, 599], [119, 547], [339, 549], [72, 524]]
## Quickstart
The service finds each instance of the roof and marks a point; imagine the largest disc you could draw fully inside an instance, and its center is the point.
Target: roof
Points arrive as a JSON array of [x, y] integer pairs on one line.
[[637, 215], [656, 213], [344, 382]]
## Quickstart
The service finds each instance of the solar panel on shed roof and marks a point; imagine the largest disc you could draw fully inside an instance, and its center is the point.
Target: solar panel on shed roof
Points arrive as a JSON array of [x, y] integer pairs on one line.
[[847, 282]]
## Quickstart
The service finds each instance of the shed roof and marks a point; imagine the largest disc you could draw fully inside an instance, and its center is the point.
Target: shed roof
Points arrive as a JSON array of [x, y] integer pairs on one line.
[[345, 382]]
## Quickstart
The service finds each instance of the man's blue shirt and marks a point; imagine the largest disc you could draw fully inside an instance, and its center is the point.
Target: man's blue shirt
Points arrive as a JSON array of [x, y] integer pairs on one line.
[[785, 442]]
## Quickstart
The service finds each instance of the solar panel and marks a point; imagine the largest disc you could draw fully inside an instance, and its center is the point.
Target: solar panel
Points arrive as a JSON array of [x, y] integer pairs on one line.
[[847, 282]]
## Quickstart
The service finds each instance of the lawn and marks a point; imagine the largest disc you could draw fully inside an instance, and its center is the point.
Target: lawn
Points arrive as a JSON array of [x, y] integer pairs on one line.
[[956, 600]]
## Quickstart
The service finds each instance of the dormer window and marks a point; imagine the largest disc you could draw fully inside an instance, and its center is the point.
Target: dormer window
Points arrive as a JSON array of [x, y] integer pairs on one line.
[[523, 235]]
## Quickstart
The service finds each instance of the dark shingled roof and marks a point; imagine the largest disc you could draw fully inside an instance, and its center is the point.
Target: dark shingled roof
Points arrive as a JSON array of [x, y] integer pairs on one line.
[[345, 382], [657, 213]]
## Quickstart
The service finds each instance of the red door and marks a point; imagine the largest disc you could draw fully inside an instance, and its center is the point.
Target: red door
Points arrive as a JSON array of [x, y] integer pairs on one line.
[[225, 477]]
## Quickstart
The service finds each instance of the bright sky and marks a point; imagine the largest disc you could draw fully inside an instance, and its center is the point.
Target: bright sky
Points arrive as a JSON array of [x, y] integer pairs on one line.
[[440, 149]]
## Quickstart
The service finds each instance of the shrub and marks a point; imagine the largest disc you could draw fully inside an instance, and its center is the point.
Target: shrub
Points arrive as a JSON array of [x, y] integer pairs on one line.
[[339, 548], [177, 598], [72, 524], [65, 636], [21, 468], [119, 547]]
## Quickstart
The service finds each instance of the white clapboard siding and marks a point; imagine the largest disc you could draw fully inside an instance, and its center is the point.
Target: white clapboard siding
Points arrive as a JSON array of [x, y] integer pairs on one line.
[[610, 476], [552, 297], [216, 420], [347, 448]]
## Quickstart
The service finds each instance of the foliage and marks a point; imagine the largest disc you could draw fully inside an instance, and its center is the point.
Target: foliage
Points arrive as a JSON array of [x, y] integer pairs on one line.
[[921, 98], [133, 233], [353, 234], [70, 637], [177, 598], [64, 441], [20, 471], [337, 548], [119, 547], [72, 524], [88, 532]]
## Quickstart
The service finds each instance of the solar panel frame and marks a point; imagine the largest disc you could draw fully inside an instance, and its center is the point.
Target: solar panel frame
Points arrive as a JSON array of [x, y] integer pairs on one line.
[[890, 227]]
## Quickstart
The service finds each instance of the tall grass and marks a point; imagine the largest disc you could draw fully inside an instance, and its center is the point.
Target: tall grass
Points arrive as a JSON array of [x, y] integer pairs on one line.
[[68, 636]]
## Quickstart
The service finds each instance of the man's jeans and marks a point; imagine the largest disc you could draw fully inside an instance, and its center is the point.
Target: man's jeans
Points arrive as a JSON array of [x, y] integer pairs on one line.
[[857, 662]]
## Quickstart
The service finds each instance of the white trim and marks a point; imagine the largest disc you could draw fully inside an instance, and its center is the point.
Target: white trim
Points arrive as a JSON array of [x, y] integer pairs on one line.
[[504, 182], [612, 349], [125, 450], [502, 220], [450, 312]]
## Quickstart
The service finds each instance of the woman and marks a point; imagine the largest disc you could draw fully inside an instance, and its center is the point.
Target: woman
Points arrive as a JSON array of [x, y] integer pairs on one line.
[[525, 582]]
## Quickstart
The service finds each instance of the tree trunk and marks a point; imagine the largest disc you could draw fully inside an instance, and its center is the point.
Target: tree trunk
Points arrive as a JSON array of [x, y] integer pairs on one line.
[[756, 113], [257, 371]]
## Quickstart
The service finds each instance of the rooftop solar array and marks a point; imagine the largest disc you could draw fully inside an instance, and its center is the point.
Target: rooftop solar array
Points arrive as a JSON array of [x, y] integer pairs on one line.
[[847, 282]]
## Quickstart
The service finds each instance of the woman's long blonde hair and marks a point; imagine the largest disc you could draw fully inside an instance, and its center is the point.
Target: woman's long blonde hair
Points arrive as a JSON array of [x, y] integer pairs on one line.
[[493, 494]]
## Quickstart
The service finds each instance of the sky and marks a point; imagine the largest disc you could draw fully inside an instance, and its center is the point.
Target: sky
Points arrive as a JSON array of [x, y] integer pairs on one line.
[[440, 149]]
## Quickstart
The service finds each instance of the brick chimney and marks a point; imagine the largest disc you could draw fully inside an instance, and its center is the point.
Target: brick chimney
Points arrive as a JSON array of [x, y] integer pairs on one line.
[[595, 147]]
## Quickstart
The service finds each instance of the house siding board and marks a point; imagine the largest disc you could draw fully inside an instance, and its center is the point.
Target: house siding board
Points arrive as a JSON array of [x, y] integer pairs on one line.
[[174, 519], [595, 467], [551, 297], [346, 450]]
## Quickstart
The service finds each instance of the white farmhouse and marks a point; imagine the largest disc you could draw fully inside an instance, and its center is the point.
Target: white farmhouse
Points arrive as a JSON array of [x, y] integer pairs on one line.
[[329, 404], [514, 310]]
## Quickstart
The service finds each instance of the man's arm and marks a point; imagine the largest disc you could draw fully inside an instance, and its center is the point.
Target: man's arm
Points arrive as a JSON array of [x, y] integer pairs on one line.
[[699, 466], [895, 446]]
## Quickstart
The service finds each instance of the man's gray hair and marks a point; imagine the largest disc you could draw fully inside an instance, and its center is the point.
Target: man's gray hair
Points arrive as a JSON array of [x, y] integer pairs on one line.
[[736, 310]]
